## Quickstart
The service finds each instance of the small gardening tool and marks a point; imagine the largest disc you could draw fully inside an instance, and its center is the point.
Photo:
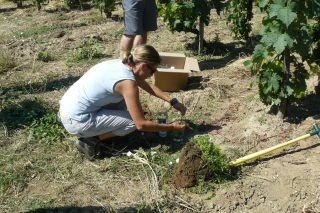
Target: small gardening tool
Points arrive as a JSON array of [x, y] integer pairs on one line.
[[265, 151]]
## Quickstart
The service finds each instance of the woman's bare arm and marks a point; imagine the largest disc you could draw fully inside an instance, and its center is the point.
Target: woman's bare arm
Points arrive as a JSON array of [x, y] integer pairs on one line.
[[155, 91], [130, 92]]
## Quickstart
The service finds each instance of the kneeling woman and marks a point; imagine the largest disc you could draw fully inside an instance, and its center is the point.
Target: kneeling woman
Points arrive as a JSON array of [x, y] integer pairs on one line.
[[105, 103]]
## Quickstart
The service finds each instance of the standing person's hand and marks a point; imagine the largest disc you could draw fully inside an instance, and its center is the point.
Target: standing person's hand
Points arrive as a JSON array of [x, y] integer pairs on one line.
[[180, 107]]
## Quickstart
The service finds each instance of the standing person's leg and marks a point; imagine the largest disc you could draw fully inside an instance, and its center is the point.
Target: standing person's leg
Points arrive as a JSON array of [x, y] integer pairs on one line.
[[133, 23], [140, 39], [126, 44], [149, 21], [150, 15]]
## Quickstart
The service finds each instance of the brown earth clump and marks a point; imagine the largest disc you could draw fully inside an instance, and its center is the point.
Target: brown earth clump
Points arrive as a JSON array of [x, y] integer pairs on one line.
[[190, 167]]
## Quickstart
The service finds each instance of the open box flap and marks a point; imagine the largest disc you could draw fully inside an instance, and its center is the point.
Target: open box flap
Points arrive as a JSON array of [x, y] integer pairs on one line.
[[192, 64], [174, 70], [171, 54]]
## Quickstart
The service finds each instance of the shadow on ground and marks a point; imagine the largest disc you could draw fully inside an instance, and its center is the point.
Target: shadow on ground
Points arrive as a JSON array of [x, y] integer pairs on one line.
[[306, 107], [225, 52], [196, 82], [302, 109], [151, 140], [16, 115], [37, 87], [93, 209], [87, 209], [19, 115]]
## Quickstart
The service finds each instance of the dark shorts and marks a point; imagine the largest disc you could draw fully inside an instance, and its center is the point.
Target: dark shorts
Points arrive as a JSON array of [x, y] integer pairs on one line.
[[139, 16]]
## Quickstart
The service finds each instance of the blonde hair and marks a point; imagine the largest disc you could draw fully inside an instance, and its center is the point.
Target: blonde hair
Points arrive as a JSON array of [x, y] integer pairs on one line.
[[142, 53]]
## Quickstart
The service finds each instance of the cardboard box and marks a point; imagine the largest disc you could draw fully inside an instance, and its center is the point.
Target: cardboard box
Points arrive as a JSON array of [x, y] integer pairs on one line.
[[172, 80]]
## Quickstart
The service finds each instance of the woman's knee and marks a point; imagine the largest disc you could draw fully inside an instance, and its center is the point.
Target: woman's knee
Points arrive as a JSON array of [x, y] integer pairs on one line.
[[125, 131]]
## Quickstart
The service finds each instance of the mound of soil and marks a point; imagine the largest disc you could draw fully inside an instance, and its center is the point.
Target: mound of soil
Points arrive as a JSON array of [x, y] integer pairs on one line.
[[190, 167]]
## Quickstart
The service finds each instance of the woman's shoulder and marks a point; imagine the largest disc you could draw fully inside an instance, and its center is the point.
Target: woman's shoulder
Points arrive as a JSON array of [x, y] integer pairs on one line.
[[111, 62], [110, 66]]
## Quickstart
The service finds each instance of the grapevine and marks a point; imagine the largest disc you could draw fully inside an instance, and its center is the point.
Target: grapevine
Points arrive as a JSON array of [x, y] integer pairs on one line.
[[183, 15], [286, 51], [240, 15], [105, 6]]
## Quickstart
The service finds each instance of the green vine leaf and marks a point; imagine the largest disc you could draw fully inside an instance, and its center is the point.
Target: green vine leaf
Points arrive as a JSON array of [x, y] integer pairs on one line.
[[277, 101], [275, 81], [254, 80], [248, 64], [289, 90], [274, 10], [260, 51], [269, 38], [304, 42], [263, 3], [286, 15], [280, 2], [283, 41], [189, 4], [187, 24]]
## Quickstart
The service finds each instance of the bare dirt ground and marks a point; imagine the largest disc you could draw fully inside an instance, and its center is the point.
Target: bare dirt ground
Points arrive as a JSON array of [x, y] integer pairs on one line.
[[219, 100]]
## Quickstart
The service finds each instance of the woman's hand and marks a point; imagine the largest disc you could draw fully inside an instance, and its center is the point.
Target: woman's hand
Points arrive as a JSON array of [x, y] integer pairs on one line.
[[180, 107], [178, 126]]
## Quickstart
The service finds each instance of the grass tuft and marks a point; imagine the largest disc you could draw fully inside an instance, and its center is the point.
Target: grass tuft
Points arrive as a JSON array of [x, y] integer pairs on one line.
[[32, 31], [86, 51], [45, 56], [7, 61]]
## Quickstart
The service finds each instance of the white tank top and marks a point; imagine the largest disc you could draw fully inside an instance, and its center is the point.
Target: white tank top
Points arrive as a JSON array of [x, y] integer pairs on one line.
[[95, 89]]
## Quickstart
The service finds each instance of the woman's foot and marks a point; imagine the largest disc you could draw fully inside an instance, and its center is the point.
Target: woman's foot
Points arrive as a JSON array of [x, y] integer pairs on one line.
[[91, 147]]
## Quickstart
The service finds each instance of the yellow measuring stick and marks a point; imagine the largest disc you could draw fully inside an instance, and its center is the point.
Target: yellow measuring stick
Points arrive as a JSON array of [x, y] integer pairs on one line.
[[266, 151]]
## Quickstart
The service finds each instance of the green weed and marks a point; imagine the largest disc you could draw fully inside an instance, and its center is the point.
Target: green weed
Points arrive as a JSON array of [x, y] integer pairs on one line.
[[116, 34], [86, 51], [204, 186], [60, 24], [250, 98], [48, 129], [94, 18], [215, 159], [45, 56], [32, 31], [37, 203], [262, 119], [7, 60]]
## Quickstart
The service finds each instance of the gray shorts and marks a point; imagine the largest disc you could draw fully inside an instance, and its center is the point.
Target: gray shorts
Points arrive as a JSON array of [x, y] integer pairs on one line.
[[112, 118], [139, 16]]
